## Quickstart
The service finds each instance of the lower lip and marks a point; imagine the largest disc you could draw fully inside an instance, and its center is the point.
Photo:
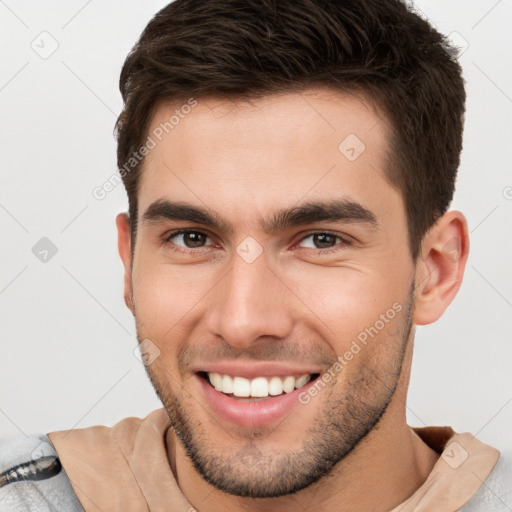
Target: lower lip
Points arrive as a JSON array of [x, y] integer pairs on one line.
[[250, 414]]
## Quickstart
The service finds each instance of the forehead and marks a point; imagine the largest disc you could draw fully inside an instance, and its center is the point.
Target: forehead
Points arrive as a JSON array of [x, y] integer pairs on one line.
[[245, 157]]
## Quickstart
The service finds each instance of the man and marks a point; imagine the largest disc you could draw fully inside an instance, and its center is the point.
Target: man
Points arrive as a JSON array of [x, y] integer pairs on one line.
[[289, 168]]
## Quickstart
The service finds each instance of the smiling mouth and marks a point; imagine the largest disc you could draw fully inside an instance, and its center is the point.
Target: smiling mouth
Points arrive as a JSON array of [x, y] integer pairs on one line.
[[257, 389]]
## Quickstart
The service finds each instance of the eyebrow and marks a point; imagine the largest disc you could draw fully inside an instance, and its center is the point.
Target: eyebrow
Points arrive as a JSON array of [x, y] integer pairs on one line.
[[344, 210]]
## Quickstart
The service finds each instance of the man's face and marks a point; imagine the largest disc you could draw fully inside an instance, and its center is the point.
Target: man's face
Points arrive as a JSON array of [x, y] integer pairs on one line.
[[262, 294]]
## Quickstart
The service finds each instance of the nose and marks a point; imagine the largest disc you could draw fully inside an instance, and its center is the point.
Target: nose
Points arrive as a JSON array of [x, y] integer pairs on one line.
[[250, 303]]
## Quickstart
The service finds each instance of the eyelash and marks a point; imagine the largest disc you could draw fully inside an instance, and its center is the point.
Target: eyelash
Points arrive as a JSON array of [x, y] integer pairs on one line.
[[168, 236]]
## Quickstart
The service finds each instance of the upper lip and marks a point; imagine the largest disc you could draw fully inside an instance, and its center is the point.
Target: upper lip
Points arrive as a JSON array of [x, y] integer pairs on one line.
[[253, 369]]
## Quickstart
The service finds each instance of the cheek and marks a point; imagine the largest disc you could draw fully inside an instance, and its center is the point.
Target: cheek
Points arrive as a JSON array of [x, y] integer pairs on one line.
[[168, 298], [373, 357], [346, 300]]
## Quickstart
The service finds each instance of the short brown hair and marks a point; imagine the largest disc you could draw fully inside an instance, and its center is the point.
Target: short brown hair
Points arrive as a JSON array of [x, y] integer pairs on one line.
[[251, 48]]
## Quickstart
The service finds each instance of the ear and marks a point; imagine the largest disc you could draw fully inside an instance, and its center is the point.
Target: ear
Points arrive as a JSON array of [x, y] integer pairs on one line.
[[124, 247], [440, 267]]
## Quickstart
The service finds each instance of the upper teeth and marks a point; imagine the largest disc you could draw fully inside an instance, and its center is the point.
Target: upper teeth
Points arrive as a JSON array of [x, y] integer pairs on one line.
[[258, 387]]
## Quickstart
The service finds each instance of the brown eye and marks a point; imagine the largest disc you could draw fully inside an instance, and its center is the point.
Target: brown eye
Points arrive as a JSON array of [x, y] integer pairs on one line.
[[322, 240], [188, 239]]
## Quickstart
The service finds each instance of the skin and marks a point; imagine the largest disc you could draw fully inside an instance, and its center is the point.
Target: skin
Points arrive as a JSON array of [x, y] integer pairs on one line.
[[349, 448]]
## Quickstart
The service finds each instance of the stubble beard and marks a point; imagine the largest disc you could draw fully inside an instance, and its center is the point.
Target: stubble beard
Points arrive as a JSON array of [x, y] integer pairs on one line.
[[347, 417]]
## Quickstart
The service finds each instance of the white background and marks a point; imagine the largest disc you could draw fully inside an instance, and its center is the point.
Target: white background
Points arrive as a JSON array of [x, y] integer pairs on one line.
[[66, 357]]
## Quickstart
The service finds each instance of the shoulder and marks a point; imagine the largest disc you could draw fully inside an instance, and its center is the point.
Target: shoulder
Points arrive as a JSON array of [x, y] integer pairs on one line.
[[32, 477], [103, 440], [495, 494], [100, 458], [38, 473]]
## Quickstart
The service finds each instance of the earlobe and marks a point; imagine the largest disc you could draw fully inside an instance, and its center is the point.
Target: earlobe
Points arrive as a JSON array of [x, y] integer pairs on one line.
[[440, 268], [124, 248]]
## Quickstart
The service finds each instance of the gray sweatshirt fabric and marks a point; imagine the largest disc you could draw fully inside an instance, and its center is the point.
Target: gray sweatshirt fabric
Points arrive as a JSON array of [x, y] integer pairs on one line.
[[32, 478], [495, 495]]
